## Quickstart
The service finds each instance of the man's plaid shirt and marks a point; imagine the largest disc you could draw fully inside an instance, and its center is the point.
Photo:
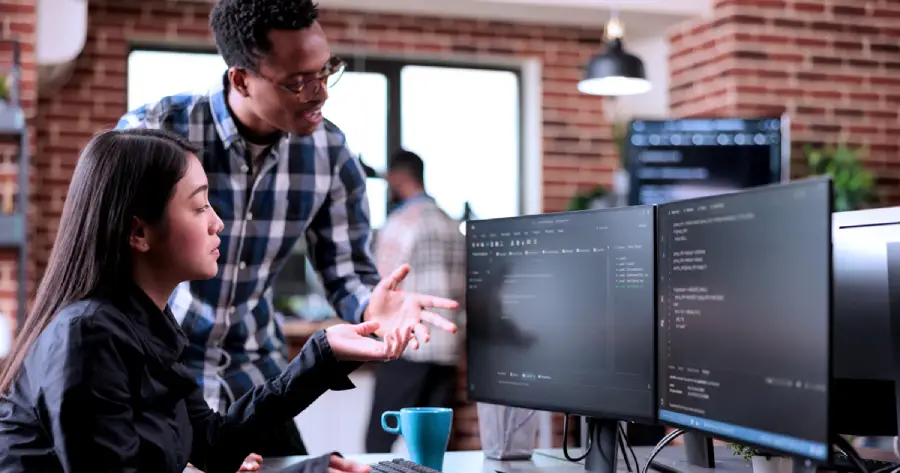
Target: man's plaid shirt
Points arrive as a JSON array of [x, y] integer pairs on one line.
[[310, 187]]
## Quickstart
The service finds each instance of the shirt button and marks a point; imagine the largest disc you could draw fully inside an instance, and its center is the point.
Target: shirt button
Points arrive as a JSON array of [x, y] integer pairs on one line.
[[245, 168], [242, 265], [230, 310], [249, 215]]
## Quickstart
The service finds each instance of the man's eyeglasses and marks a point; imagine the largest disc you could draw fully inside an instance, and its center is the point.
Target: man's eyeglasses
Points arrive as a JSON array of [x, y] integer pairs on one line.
[[309, 89]]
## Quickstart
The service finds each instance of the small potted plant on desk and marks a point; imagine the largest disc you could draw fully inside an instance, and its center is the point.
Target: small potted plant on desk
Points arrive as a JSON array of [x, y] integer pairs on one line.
[[762, 461]]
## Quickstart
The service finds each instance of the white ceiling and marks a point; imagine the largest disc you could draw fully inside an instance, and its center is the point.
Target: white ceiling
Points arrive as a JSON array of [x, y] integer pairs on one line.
[[642, 18]]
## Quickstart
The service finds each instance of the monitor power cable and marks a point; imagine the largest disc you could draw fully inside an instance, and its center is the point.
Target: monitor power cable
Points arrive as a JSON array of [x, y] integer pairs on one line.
[[625, 445], [843, 445], [661, 445], [565, 440]]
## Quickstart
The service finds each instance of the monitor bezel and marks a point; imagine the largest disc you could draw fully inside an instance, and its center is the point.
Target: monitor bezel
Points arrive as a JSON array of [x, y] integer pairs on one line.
[[784, 129], [651, 419], [812, 181]]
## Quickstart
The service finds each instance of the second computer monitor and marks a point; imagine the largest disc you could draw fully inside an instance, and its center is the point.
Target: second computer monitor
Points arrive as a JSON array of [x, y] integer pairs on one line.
[[560, 312], [744, 289]]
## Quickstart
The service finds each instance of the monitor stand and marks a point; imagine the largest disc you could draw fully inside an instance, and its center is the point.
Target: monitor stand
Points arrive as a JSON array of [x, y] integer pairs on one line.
[[601, 458], [699, 456]]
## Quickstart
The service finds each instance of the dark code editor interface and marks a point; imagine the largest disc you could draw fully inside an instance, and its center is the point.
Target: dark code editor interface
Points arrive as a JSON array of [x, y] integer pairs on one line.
[[744, 299], [684, 159], [560, 311]]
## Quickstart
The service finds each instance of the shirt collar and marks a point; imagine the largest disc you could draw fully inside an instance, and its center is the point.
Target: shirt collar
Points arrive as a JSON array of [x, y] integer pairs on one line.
[[224, 121], [420, 197], [225, 126], [157, 327]]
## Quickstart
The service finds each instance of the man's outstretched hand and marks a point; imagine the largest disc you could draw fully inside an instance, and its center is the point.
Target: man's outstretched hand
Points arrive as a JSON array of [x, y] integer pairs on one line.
[[401, 313]]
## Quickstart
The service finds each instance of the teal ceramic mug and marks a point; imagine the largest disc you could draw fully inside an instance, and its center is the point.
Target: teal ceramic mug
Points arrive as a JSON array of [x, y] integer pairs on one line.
[[426, 431]]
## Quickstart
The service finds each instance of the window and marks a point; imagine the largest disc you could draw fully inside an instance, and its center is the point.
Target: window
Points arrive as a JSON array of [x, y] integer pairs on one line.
[[358, 105], [153, 75], [464, 123]]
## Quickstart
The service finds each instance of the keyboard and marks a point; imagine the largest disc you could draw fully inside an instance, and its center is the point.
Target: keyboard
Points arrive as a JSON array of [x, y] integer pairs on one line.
[[399, 465], [841, 463]]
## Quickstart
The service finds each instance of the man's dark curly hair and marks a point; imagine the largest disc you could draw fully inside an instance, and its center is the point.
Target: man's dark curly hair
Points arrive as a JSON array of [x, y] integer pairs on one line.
[[242, 27]]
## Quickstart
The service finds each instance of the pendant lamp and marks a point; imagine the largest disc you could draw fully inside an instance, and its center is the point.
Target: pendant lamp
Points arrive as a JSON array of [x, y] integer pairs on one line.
[[615, 72]]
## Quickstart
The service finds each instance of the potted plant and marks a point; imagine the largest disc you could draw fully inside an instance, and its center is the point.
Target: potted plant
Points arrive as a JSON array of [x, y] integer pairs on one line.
[[762, 461], [4, 89], [596, 198], [854, 185]]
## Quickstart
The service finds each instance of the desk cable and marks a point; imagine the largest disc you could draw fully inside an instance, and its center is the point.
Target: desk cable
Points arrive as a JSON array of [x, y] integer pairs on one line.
[[621, 440], [661, 445], [843, 445]]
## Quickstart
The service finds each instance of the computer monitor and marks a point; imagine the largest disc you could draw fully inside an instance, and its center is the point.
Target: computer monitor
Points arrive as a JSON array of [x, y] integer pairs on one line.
[[684, 158], [744, 288], [866, 291], [560, 317]]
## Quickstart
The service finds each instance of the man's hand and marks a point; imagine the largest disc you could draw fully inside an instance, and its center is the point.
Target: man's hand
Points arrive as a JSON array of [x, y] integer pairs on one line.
[[253, 462], [394, 309], [341, 465], [352, 342]]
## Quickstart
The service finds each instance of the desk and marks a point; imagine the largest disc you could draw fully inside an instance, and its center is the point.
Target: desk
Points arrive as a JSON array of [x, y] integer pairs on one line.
[[543, 461]]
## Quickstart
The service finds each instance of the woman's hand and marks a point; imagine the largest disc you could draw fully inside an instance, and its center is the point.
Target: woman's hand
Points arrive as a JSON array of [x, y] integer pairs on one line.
[[353, 343], [253, 462], [395, 309], [341, 465]]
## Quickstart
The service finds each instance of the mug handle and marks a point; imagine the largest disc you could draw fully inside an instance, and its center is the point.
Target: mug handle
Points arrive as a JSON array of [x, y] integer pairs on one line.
[[384, 424]]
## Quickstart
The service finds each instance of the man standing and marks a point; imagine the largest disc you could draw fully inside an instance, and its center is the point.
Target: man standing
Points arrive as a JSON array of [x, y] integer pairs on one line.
[[419, 232], [278, 171]]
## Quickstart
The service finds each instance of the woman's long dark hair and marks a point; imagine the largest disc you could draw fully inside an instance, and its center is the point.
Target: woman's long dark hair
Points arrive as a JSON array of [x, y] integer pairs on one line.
[[120, 175]]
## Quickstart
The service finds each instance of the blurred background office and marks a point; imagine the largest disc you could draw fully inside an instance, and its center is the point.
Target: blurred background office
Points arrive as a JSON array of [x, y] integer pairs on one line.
[[490, 94]]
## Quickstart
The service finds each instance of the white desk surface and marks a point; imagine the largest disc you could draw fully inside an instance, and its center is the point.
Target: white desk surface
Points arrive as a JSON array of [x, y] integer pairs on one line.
[[543, 461]]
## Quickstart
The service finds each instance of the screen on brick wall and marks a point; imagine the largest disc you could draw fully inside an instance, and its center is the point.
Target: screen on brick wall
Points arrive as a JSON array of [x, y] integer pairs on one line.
[[670, 160]]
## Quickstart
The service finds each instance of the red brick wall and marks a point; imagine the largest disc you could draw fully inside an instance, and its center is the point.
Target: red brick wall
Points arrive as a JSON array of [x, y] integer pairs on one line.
[[17, 22], [833, 65]]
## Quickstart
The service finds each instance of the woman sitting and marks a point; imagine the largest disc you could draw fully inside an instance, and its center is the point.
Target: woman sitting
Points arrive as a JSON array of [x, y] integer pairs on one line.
[[94, 382]]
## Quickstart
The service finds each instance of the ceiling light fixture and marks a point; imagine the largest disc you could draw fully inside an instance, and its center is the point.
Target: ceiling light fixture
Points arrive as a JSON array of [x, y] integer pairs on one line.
[[615, 72]]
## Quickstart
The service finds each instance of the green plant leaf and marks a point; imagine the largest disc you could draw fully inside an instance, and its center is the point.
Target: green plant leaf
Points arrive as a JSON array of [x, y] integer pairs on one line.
[[854, 185]]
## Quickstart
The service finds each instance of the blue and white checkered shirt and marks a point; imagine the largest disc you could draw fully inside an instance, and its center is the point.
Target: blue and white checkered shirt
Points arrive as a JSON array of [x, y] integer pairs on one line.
[[309, 186]]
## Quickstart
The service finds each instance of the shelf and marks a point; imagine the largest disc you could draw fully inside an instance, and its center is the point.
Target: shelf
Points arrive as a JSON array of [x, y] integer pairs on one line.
[[12, 120], [12, 231]]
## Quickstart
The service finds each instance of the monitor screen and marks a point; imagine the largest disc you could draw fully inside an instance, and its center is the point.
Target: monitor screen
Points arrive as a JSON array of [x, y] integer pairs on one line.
[[745, 311], [560, 312], [671, 160], [866, 266]]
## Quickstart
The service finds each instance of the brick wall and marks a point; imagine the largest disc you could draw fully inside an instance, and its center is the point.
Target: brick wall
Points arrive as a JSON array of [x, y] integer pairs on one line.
[[17, 22], [833, 65]]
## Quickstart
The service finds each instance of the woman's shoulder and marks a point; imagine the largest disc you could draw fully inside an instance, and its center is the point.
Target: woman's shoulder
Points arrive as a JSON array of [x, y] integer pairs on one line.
[[89, 321]]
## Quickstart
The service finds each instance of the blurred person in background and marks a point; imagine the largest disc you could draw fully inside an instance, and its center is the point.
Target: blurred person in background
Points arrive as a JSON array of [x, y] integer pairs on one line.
[[419, 232]]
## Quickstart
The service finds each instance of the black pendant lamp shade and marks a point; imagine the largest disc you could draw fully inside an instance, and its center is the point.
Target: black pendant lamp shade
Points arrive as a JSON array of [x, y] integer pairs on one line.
[[615, 71]]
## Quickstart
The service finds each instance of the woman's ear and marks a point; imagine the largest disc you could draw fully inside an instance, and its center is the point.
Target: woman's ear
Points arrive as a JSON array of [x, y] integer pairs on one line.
[[138, 239]]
